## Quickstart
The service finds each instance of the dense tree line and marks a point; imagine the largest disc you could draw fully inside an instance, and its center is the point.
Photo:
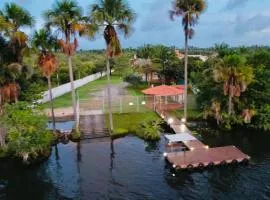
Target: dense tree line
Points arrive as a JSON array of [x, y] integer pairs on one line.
[[233, 88]]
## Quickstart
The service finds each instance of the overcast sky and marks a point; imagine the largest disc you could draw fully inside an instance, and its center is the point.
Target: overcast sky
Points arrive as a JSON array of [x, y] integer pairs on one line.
[[236, 22]]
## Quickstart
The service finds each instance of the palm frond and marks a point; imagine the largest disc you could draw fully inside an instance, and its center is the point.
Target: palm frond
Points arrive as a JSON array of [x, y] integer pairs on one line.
[[189, 10]]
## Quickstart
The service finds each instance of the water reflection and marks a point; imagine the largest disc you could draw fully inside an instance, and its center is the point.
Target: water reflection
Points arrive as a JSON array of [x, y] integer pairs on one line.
[[112, 155], [129, 168]]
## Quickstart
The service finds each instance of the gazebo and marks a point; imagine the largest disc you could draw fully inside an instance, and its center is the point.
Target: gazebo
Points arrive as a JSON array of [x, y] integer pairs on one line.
[[165, 97]]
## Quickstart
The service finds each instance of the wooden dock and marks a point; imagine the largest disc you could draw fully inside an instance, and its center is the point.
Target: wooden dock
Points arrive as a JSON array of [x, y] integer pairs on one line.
[[202, 157], [193, 153]]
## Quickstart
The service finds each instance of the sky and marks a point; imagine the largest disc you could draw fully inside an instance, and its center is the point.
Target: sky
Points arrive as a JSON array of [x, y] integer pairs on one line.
[[235, 22]]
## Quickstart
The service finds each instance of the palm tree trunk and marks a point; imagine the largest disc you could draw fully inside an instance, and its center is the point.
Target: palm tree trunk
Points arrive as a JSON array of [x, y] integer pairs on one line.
[[230, 104], [109, 94], [186, 76], [52, 106], [71, 77]]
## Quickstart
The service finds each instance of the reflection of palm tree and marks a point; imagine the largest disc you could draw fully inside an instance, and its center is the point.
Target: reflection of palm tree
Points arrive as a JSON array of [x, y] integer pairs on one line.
[[112, 155], [109, 15], [57, 157], [79, 154], [190, 11], [45, 43], [235, 76]]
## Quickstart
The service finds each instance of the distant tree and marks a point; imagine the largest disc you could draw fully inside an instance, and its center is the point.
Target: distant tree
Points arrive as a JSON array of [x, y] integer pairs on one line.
[[145, 51], [189, 10], [223, 49]]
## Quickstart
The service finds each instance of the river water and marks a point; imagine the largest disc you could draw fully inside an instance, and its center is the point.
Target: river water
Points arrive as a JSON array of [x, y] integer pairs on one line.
[[131, 169]]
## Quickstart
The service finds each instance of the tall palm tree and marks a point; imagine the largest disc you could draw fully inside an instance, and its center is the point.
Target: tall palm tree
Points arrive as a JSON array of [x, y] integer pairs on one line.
[[235, 75], [66, 17], [112, 15], [189, 10], [45, 43], [16, 17]]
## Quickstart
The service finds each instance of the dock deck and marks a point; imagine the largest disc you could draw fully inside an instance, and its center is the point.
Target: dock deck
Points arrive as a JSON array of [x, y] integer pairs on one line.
[[202, 157], [198, 154]]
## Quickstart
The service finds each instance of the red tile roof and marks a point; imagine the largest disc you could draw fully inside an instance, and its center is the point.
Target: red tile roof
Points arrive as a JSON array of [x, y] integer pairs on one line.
[[165, 90]]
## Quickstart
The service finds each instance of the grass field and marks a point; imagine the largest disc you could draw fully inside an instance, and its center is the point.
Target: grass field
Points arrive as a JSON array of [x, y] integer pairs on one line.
[[84, 92], [130, 123], [136, 91]]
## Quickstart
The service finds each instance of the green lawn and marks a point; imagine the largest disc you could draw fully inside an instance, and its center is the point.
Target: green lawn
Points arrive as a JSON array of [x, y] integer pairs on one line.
[[136, 90], [129, 123], [84, 91]]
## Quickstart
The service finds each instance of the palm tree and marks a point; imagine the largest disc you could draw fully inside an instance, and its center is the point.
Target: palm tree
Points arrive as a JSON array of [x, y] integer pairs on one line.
[[66, 17], [9, 88], [45, 43], [112, 15], [235, 75], [190, 11], [14, 17]]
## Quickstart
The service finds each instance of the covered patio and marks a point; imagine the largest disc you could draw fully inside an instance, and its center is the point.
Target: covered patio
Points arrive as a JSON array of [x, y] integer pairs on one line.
[[165, 97]]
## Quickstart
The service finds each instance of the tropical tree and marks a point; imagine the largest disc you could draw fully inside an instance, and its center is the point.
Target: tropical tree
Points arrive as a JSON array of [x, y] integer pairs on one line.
[[235, 75], [189, 10], [66, 17], [12, 45], [112, 15], [12, 19], [9, 88], [165, 57], [146, 51], [45, 43]]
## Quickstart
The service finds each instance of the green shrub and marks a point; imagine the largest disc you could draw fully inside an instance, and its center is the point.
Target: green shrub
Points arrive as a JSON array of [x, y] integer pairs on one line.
[[75, 135], [28, 137], [150, 130], [133, 79], [144, 125]]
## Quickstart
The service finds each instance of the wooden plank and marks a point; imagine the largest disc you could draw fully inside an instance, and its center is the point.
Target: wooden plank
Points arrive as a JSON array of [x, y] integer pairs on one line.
[[195, 144]]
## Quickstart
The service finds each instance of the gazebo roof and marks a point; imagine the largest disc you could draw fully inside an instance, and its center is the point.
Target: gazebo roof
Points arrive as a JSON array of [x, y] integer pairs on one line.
[[164, 90]]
